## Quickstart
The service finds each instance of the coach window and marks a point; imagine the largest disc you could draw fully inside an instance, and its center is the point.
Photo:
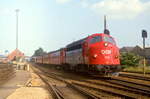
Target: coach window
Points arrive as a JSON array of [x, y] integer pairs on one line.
[[96, 39]]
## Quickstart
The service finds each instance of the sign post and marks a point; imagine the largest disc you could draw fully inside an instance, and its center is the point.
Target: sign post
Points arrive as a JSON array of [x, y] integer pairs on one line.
[[144, 35]]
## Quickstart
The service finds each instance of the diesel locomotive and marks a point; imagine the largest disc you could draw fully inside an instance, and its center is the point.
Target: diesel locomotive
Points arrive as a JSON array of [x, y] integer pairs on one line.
[[96, 54]]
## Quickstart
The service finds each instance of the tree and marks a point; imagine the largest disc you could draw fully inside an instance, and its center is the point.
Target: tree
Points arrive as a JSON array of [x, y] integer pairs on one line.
[[130, 59], [39, 52]]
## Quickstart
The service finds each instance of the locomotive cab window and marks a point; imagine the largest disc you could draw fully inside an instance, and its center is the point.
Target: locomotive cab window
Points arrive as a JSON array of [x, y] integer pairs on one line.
[[109, 39], [96, 39]]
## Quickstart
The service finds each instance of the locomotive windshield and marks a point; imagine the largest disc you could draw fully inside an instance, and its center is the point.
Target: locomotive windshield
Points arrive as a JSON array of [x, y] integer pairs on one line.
[[109, 39], [96, 39]]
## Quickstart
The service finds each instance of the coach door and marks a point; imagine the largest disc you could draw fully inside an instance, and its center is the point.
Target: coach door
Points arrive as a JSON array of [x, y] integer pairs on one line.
[[62, 56], [85, 52]]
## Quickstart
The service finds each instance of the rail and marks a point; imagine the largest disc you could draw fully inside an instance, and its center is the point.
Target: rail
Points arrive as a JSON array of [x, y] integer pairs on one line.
[[57, 94]]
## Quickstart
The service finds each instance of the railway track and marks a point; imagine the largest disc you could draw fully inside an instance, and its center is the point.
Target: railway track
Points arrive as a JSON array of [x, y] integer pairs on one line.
[[122, 88], [110, 87], [129, 84], [65, 91], [124, 84], [119, 87], [6, 72]]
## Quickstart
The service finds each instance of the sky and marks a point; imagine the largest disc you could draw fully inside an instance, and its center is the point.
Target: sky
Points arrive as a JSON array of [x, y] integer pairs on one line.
[[52, 24]]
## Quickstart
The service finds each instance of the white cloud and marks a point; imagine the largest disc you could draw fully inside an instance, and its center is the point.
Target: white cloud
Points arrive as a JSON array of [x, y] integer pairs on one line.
[[115, 9], [120, 9], [62, 1]]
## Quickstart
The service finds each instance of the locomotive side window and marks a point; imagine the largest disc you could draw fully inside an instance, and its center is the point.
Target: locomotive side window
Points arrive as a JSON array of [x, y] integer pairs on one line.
[[74, 47], [109, 39], [96, 39]]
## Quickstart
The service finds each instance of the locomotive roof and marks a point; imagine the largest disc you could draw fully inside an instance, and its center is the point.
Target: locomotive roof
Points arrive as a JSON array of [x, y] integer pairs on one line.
[[102, 34], [82, 40], [76, 43]]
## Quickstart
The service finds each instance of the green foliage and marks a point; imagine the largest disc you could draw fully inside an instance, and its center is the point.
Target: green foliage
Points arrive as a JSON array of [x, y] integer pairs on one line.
[[129, 59], [39, 52]]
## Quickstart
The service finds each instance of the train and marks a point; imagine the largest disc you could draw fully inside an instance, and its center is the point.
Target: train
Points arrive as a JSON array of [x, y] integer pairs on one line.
[[95, 54]]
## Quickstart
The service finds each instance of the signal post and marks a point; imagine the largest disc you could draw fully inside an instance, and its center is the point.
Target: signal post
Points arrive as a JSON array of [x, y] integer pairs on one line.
[[144, 35]]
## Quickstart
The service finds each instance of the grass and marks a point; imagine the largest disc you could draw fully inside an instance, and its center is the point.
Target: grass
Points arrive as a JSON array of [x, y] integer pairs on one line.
[[136, 69]]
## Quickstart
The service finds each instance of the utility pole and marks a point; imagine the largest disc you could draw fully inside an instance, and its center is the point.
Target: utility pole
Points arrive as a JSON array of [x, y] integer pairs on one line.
[[144, 35], [17, 13]]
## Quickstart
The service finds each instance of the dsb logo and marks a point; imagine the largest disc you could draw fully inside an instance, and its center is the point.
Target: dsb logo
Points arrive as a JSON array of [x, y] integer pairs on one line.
[[105, 51]]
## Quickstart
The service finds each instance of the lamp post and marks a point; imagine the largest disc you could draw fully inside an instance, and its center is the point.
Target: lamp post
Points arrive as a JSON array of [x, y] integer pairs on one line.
[[17, 12], [144, 35]]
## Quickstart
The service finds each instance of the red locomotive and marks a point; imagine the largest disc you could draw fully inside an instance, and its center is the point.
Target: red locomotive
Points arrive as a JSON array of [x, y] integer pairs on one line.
[[96, 53]]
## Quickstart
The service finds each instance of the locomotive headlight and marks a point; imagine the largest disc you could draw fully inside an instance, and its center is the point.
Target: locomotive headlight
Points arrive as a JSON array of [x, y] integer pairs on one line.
[[116, 57], [95, 55], [105, 44]]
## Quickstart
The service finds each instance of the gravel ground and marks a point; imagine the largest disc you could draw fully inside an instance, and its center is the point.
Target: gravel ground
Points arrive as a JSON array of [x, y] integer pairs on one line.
[[35, 81]]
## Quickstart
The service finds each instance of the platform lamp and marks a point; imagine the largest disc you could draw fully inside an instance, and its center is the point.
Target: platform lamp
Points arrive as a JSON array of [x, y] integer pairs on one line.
[[144, 35]]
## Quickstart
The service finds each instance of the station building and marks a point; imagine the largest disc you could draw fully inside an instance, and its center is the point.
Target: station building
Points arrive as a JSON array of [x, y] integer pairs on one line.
[[15, 54]]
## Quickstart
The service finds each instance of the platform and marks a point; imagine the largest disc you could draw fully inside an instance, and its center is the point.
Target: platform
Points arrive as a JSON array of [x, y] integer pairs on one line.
[[20, 78]]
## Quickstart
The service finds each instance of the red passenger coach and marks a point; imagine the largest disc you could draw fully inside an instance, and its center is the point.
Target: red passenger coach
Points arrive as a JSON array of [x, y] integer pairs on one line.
[[63, 56], [39, 59], [46, 59], [55, 57]]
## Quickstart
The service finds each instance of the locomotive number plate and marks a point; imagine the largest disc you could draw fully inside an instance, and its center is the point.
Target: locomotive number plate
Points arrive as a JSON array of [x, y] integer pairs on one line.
[[105, 51]]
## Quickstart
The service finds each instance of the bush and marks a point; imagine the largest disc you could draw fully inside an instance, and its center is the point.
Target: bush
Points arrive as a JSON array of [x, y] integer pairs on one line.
[[129, 59]]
